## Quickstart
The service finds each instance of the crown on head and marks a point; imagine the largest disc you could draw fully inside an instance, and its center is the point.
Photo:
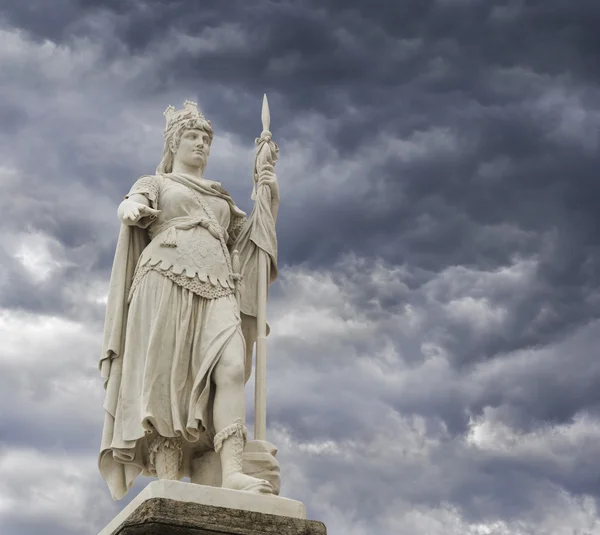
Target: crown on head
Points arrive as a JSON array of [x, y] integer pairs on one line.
[[189, 111]]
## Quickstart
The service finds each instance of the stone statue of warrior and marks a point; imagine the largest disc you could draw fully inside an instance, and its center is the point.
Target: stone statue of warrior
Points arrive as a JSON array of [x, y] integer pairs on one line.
[[177, 345]]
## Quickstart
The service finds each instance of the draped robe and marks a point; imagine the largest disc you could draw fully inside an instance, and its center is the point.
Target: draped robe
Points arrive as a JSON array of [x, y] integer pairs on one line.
[[121, 460]]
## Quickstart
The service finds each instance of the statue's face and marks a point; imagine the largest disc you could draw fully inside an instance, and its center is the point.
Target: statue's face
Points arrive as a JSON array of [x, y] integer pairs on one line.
[[194, 148]]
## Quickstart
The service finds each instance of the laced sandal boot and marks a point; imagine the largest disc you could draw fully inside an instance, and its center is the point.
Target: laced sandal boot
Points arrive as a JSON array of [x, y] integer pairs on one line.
[[166, 455], [229, 443]]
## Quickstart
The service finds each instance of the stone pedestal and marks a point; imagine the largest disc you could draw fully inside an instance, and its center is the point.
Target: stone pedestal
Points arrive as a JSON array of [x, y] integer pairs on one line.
[[176, 508]]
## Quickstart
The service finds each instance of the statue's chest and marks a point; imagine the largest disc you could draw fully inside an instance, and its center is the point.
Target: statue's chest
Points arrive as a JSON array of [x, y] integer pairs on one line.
[[176, 200]]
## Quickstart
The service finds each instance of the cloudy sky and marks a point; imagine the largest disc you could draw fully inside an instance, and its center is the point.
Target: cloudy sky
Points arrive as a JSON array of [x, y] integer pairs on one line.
[[433, 362]]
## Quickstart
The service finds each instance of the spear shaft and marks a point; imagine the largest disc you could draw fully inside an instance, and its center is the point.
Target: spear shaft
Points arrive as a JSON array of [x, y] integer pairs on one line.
[[260, 396], [260, 390]]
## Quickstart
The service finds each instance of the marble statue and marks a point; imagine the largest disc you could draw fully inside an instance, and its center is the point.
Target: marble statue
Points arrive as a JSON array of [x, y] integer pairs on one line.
[[183, 315]]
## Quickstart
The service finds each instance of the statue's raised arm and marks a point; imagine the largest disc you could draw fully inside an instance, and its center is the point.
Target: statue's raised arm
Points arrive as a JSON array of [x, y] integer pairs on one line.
[[257, 246]]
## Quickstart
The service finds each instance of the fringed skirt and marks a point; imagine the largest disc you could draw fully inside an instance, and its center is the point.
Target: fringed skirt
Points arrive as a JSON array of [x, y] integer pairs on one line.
[[174, 339]]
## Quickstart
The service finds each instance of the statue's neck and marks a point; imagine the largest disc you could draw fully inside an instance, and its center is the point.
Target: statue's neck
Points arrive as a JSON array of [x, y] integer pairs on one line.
[[183, 169]]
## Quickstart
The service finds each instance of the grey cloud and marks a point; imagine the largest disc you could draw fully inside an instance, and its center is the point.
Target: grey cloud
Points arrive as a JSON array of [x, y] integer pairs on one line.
[[436, 145]]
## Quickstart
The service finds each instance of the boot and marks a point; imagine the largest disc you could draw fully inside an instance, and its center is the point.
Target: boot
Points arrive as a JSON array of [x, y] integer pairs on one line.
[[229, 443], [166, 456]]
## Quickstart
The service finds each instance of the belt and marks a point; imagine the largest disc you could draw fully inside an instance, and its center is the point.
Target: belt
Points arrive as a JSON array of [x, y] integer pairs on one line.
[[170, 228]]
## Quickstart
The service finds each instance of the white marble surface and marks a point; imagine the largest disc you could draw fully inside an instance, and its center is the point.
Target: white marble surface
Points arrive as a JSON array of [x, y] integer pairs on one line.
[[219, 497], [178, 234]]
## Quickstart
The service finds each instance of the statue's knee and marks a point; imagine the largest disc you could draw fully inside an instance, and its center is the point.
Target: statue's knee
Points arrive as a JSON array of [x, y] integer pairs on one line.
[[230, 369]]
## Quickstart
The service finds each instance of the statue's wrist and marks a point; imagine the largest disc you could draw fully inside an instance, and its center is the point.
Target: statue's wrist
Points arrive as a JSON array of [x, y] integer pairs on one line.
[[121, 210]]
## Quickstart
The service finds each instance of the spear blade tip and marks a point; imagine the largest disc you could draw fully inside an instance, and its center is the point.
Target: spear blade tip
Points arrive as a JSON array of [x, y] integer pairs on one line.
[[266, 114]]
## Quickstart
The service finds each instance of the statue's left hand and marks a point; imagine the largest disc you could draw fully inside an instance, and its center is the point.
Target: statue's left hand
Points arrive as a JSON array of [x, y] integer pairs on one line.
[[266, 176]]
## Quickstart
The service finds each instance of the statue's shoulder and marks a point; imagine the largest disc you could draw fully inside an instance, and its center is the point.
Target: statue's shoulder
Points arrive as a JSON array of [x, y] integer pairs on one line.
[[151, 178], [148, 185]]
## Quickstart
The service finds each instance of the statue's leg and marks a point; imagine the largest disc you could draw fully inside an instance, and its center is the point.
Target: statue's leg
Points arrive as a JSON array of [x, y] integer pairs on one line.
[[229, 416], [166, 456]]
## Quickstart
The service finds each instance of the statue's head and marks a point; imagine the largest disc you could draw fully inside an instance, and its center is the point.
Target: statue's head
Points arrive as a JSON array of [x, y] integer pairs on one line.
[[191, 126]]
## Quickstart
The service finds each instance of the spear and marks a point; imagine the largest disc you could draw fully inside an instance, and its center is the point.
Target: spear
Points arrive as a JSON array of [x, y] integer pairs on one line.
[[264, 155]]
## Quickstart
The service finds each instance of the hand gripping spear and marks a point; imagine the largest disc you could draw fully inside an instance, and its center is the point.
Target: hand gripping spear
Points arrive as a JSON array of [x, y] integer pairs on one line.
[[266, 154]]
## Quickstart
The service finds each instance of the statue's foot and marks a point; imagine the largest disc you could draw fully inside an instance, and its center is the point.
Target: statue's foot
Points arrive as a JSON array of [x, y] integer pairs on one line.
[[239, 481]]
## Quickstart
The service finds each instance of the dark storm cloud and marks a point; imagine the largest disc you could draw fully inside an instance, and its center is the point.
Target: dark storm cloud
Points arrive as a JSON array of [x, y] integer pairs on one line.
[[477, 70], [306, 51], [329, 52], [434, 64], [349, 393]]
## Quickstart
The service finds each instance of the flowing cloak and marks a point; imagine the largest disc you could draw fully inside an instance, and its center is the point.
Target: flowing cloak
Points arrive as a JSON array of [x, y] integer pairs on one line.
[[257, 233]]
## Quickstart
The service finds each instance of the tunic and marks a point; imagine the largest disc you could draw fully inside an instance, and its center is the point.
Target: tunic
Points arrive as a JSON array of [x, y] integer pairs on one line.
[[181, 315], [183, 247]]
